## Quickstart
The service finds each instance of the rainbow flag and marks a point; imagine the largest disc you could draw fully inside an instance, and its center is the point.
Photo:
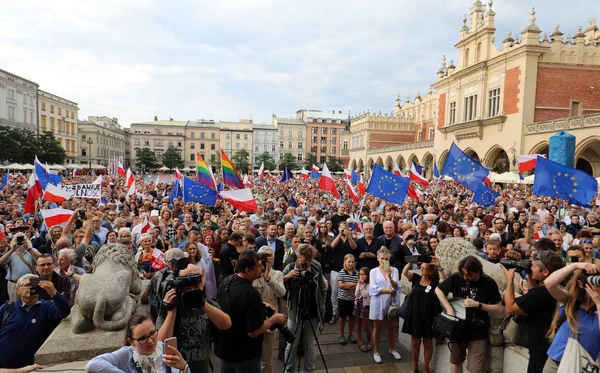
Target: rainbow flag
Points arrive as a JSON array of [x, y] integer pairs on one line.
[[230, 175], [203, 173]]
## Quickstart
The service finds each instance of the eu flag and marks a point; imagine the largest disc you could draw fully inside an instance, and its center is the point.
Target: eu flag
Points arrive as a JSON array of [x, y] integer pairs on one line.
[[5, 179], [436, 173], [485, 196], [287, 175], [555, 180], [355, 177], [463, 169], [194, 191], [293, 202], [418, 168], [387, 186], [176, 192]]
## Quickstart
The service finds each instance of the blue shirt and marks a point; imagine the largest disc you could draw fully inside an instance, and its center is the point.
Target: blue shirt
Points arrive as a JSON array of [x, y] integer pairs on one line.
[[589, 336], [26, 329]]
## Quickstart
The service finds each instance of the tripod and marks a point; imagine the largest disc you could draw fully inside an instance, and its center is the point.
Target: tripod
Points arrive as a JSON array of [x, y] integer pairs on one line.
[[304, 316]]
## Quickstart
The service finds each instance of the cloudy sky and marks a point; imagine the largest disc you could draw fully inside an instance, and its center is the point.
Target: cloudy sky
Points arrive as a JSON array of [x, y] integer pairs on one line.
[[226, 60]]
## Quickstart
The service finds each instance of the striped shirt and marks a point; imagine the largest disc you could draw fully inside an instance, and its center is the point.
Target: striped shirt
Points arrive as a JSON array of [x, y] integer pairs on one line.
[[347, 278]]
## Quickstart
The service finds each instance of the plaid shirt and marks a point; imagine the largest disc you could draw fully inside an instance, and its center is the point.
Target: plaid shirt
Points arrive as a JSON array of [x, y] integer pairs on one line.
[[73, 283]]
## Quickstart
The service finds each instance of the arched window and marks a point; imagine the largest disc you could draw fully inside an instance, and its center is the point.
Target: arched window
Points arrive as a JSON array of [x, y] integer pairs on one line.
[[466, 61]]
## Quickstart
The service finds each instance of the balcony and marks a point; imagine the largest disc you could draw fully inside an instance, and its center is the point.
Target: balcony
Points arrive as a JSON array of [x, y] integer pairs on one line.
[[563, 124]]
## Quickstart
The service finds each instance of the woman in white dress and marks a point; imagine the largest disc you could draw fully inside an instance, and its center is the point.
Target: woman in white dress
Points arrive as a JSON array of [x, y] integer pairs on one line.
[[383, 288]]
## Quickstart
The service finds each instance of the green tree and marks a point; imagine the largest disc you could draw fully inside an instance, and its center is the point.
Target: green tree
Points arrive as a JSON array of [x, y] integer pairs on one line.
[[172, 158], [49, 149], [267, 159], [289, 161], [334, 164], [215, 162], [310, 160], [145, 158], [10, 145], [241, 160]]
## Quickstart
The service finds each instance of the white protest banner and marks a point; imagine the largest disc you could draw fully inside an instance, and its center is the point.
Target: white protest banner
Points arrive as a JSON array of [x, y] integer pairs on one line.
[[83, 190]]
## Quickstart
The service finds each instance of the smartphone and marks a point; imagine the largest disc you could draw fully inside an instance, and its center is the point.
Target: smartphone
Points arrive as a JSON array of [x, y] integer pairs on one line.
[[82, 213], [386, 266], [171, 342], [20, 240], [35, 286]]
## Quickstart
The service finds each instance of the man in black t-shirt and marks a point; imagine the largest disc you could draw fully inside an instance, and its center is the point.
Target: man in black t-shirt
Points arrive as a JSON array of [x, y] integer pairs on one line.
[[240, 347], [336, 219], [537, 304], [481, 296]]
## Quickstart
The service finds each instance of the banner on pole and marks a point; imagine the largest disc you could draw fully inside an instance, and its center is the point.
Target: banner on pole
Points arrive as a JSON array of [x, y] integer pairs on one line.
[[83, 190]]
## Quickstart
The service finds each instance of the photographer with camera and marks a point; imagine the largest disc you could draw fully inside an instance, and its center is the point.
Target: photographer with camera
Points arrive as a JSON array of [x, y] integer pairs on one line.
[[240, 347], [189, 317], [270, 286], [537, 304], [481, 296], [18, 261], [306, 295]]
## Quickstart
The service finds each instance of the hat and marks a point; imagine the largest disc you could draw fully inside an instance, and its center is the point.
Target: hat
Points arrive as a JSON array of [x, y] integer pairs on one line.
[[312, 219], [301, 218], [173, 255]]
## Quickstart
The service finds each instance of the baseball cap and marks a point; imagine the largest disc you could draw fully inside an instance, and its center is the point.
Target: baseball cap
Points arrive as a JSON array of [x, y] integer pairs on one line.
[[173, 255]]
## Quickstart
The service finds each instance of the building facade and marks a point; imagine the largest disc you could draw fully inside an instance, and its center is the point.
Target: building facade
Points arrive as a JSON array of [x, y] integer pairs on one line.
[[236, 136], [497, 103], [18, 102], [157, 135], [127, 139], [264, 139], [100, 139], [59, 116], [292, 137], [324, 132], [201, 136]]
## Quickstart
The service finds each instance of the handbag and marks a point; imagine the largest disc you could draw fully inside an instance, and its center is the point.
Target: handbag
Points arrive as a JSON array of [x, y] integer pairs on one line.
[[576, 358], [450, 327], [514, 330], [404, 310], [393, 312]]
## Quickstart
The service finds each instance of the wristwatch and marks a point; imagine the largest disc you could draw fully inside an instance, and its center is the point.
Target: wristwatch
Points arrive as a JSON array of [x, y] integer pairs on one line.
[[440, 269], [480, 306]]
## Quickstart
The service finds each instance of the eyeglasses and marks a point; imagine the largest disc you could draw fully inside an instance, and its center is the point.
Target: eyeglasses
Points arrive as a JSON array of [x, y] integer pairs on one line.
[[45, 265], [144, 339], [586, 241]]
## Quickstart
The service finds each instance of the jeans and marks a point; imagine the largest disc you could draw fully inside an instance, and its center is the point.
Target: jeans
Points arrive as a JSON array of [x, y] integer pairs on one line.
[[333, 284], [246, 366], [309, 342]]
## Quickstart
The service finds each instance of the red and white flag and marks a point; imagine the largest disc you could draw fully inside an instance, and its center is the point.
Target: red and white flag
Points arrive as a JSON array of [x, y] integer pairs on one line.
[[145, 226], [326, 182], [247, 182], [528, 162], [352, 192], [121, 170], [397, 169], [361, 186], [158, 259], [75, 173], [98, 180], [55, 194], [414, 193], [304, 174], [178, 174], [414, 176], [130, 179], [57, 216], [261, 171], [241, 199], [131, 190], [347, 174], [487, 180]]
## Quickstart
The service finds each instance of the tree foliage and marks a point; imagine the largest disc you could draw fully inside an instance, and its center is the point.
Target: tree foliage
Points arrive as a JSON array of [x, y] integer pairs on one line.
[[145, 158], [310, 160], [172, 158], [267, 159], [334, 164], [21, 146], [289, 161], [215, 162], [241, 160]]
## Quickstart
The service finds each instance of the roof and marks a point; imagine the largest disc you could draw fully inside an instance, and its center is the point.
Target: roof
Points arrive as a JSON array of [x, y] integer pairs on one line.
[[264, 126], [295, 121], [20, 77], [202, 124], [165, 123]]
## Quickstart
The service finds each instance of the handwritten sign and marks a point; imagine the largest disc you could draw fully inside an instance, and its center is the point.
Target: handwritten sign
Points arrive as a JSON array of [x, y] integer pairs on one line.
[[84, 190]]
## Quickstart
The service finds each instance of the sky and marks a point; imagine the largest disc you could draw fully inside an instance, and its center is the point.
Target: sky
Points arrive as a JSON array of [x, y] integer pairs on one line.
[[229, 60]]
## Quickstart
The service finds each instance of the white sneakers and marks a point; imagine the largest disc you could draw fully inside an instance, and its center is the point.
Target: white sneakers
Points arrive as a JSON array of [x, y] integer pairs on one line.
[[394, 353]]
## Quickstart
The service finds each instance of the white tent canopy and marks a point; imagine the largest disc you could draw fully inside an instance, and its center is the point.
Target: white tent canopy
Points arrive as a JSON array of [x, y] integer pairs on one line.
[[528, 180], [73, 166], [164, 168], [187, 169], [506, 177], [98, 167], [57, 167], [13, 166], [27, 167]]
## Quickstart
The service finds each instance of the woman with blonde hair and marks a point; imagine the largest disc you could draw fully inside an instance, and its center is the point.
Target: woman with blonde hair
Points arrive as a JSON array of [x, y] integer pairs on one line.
[[151, 259]]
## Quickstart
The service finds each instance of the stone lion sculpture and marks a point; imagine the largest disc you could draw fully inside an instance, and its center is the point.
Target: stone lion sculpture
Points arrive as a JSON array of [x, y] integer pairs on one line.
[[108, 297]]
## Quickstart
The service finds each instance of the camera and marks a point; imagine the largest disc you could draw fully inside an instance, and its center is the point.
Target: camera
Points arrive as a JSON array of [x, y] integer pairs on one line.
[[519, 265], [264, 258], [20, 240], [189, 299], [305, 273], [417, 259], [286, 333], [590, 279]]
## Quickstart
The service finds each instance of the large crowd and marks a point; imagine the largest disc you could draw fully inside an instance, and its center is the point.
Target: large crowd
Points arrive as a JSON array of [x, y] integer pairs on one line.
[[302, 260]]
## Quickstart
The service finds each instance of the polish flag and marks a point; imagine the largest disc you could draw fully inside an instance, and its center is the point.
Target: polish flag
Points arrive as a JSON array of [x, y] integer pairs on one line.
[[347, 174], [304, 174], [397, 169], [414, 176], [247, 182], [55, 194], [414, 193], [54, 217], [98, 180], [361, 186], [326, 182], [33, 195], [121, 170], [75, 173], [145, 226], [129, 178], [241, 199], [131, 190], [178, 174], [261, 171], [527, 162], [487, 180], [352, 192]]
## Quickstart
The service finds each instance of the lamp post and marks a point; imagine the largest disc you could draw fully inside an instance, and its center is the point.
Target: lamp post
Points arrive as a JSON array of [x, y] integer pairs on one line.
[[90, 142]]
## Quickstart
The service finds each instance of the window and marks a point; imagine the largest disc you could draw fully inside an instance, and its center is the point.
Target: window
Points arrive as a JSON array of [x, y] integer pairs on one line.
[[192, 146], [227, 145], [333, 140], [313, 149], [300, 135], [345, 146], [246, 145], [289, 144], [494, 102], [237, 136], [452, 113], [192, 157], [146, 143], [84, 152], [82, 136], [11, 94], [245, 136], [212, 146], [313, 130], [273, 148], [322, 159], [202, 146], [324, 131], [431, 133], [281, 144], [59, 111], [575, 109], [179, 144], [470, 108], [332, 149], [300, 156], [158, 156], [137, 142], [11, 113], [51, 108], [51, 121], [237, 146], [256, 148], [281, 156], [323, 149], [281, 133], [333, 131], [44, 124], [228, 136], [24, 115], [265, 147], [212, 135], [72, 115], [203, 156], [314, 139], [300, 145], [323, 140], [43, 106], [201, 135]]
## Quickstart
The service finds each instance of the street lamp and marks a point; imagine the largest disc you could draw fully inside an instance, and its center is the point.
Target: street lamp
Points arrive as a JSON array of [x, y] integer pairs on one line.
[[90, 142]]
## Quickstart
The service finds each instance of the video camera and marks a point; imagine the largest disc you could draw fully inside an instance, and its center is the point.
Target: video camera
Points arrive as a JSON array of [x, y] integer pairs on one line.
[[286, 333], [519, 265], [590, 279], [189, 299], [305, 274], [417, 259]]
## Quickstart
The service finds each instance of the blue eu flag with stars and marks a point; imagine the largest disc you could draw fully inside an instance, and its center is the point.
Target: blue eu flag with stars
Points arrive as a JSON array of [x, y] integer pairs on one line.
[[436, 173], [485, 196], [194, 191], [387, 186], [176, 192], [463, 169], [555, 180]]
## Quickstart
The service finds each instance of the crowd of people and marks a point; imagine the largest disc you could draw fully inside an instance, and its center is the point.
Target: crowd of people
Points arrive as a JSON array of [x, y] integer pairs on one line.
[[302, 260]]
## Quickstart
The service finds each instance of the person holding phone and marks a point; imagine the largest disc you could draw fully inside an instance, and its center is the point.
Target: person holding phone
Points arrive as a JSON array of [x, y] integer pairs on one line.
[[18, 261]]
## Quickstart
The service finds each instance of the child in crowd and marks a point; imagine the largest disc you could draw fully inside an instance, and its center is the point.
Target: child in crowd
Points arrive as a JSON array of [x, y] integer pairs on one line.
[[493, 251], [361, 309], [347, 280]]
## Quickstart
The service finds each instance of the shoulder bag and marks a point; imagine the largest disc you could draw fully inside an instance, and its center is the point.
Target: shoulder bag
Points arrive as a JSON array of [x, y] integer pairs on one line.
[[404, 310], [514, 330], [450, 327], [576, 358]]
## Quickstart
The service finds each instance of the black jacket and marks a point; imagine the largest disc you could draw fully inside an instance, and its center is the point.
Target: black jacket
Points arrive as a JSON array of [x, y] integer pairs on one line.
[[279, 251]]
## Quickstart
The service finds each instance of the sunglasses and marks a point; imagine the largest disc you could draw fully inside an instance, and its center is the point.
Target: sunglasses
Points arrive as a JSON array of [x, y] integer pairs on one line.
[[586, 241]]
